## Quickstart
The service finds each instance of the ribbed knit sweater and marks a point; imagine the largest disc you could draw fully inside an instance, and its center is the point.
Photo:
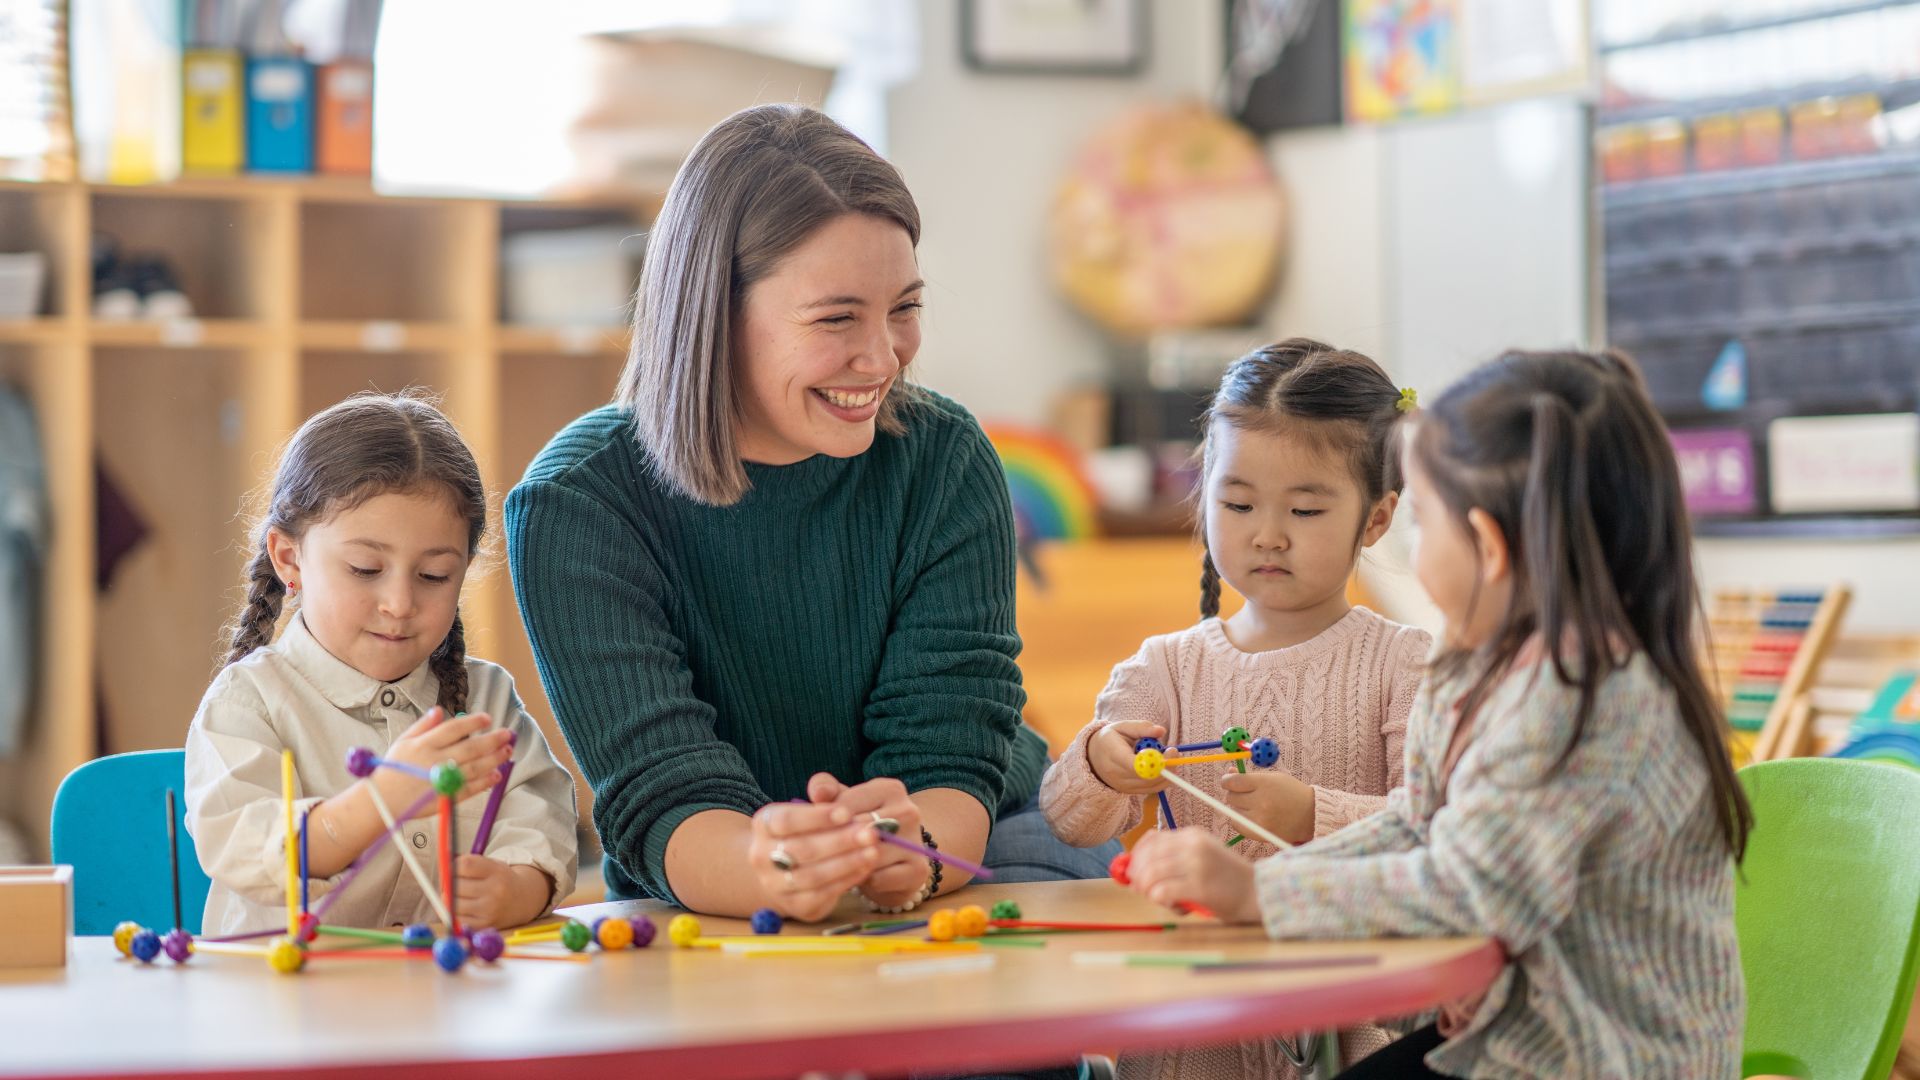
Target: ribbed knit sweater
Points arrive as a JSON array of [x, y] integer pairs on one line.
[[851, 616], [1603, 875]]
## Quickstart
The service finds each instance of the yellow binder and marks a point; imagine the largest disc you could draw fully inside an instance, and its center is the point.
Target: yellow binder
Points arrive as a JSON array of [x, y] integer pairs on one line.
[[213, 125]]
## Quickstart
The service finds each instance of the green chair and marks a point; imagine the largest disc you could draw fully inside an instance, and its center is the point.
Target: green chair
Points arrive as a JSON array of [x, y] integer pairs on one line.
[[1827, 910]]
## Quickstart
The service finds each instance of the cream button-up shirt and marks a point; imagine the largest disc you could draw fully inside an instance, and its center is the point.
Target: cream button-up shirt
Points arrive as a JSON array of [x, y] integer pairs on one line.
[[294, 695]]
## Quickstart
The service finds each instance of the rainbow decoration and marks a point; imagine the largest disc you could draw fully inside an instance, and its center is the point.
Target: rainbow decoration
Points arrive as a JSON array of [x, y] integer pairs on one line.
[[1052, 497], [1889, 730]]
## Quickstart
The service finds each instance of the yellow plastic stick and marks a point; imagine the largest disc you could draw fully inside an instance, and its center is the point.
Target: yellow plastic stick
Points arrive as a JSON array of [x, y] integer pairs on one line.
[[1202, 759], [293, 848], [1247, 824]]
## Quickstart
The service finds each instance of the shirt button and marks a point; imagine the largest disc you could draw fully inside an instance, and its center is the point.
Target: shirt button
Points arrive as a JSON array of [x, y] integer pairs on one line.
[[420, 840], [386, 697]]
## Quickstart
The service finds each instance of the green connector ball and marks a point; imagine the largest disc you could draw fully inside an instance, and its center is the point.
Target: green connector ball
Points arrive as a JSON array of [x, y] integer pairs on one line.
[[448, 779], [1006, 909], [575, 936]]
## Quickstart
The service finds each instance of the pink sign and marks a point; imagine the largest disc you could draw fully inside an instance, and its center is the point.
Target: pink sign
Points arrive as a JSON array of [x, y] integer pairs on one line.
[[1717, 470]]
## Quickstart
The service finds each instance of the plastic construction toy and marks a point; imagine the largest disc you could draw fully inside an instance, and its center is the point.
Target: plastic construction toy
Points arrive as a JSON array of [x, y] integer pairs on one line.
[[767, 921], [1154, 762], [290, 949]]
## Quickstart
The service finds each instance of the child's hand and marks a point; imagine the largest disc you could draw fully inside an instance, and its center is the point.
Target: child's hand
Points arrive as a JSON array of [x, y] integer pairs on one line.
[[1274, 799], [1110, 752], [491, 893], [433, 739], [1174, 865]]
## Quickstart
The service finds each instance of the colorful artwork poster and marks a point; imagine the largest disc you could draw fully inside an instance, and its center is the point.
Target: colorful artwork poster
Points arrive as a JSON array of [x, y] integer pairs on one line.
[[1717, 471], [1402, 58]]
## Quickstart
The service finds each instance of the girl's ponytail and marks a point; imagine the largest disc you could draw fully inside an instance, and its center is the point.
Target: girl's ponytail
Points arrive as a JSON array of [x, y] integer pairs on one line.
[[253, 627], [449, 664]]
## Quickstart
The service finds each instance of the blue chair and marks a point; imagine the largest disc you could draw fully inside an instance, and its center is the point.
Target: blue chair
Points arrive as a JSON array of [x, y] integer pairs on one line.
[[109, 824]]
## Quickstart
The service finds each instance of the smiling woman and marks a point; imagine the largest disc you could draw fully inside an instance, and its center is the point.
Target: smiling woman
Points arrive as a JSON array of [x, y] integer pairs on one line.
[[770, 589]]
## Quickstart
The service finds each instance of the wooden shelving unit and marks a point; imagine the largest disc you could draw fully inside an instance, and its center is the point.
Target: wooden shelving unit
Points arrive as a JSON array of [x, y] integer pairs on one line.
[[305, 291]]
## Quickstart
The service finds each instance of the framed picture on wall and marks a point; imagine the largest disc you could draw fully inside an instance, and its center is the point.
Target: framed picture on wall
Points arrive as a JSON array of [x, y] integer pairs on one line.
[[1054, 37]]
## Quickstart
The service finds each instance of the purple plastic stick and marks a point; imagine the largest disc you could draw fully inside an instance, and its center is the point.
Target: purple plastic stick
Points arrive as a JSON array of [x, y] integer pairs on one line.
[[249, 936], [914, 925], [367, 855], [303, 861], [980, 872], [493, 807]]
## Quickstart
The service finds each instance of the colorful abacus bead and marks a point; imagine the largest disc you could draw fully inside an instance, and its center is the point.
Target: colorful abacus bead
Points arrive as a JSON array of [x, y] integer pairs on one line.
[[1148, 763], [576, 935], [417, 936], [488, 945], [1006, 909], [766, 921], [178, 945], [683, 931], [643, 931], [286, 956], [145, 946], [360, 762], [448, 779], [449, 953], [970, 921], [123, 936], [612, 934], [1266, 752], [941, 925], [1233, 740]]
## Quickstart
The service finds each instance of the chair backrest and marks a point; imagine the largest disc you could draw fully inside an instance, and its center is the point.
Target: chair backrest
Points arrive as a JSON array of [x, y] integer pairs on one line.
[[1828, 911], [110, 825]]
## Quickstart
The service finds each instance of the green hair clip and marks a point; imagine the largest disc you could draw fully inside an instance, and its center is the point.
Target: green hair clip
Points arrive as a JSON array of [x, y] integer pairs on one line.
[[1409, 399]]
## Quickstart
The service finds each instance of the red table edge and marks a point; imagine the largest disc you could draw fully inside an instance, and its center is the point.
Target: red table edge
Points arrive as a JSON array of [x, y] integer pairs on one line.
[[974, 1045]]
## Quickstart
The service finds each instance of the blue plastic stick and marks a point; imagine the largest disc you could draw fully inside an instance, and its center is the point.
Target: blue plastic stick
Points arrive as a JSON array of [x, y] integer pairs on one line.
[[1192, 746], [1166, 810]]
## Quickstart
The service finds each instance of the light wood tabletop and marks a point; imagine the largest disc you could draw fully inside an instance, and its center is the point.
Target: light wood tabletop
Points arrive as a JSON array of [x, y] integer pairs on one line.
[[664, 1011]]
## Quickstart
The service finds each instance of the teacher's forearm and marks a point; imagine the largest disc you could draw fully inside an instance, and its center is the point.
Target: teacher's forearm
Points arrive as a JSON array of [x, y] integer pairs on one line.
[[959, 824], [707, 866]]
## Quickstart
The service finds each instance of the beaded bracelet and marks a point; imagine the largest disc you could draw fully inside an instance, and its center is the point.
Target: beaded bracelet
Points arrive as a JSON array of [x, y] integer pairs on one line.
[[931, 886]]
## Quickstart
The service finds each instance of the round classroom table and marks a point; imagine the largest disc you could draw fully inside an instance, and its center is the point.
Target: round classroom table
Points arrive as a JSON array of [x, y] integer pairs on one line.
[[663, 1011]]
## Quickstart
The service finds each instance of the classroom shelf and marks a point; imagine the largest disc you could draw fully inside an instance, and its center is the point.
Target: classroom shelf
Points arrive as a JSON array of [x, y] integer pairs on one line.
[[306, 291]]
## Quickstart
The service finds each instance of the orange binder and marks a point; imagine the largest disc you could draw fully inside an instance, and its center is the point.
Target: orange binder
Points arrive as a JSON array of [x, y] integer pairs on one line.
[[345, 140]]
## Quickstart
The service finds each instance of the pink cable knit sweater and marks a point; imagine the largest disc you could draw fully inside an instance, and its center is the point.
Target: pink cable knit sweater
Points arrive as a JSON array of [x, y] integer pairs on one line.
[[1336, 704]]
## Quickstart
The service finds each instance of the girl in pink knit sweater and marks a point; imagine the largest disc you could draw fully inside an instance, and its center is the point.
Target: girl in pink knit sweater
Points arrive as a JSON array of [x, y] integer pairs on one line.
[[1300, 474]]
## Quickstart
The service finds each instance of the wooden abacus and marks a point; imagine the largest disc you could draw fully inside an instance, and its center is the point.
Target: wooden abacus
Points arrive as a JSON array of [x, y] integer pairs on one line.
[[1765, 649]]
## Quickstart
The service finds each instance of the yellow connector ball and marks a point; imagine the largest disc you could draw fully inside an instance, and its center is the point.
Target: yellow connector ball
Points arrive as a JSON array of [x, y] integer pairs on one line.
[[285, 956], [970, 921], [1148, 763], [123, 937], [940, 925], [683, 931]]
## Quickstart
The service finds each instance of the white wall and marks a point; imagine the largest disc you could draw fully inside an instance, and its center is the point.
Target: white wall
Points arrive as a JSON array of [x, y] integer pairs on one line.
[[982, 153]]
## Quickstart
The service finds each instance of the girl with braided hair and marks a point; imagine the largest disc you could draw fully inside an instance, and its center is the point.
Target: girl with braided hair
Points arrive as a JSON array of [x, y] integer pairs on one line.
[[1298, 477], [375, 514]]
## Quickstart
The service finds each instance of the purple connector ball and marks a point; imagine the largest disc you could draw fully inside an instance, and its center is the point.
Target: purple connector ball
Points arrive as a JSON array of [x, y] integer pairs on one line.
[[178, 945], [417, 936], [145, 946], [449, 953], [766, 921], [1266, 752], [360, 761], [488, 945], [643, 931]]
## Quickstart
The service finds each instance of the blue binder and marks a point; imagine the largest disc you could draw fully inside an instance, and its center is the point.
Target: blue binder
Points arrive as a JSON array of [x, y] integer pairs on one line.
[[279, 114]]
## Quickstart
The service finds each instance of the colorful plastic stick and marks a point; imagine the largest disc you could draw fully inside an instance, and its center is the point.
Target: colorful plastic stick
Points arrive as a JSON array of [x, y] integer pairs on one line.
[[366, 856], [173, 859], [385, 937], [446, 856], [956, 862], [1030, 924], [253, 935], [1202, 759], [895, 928], [1188, 748], [1300, 963], [406, 855], [1166, 810], [293, 854], [303, 860], [1247, 824], [485, 832]]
